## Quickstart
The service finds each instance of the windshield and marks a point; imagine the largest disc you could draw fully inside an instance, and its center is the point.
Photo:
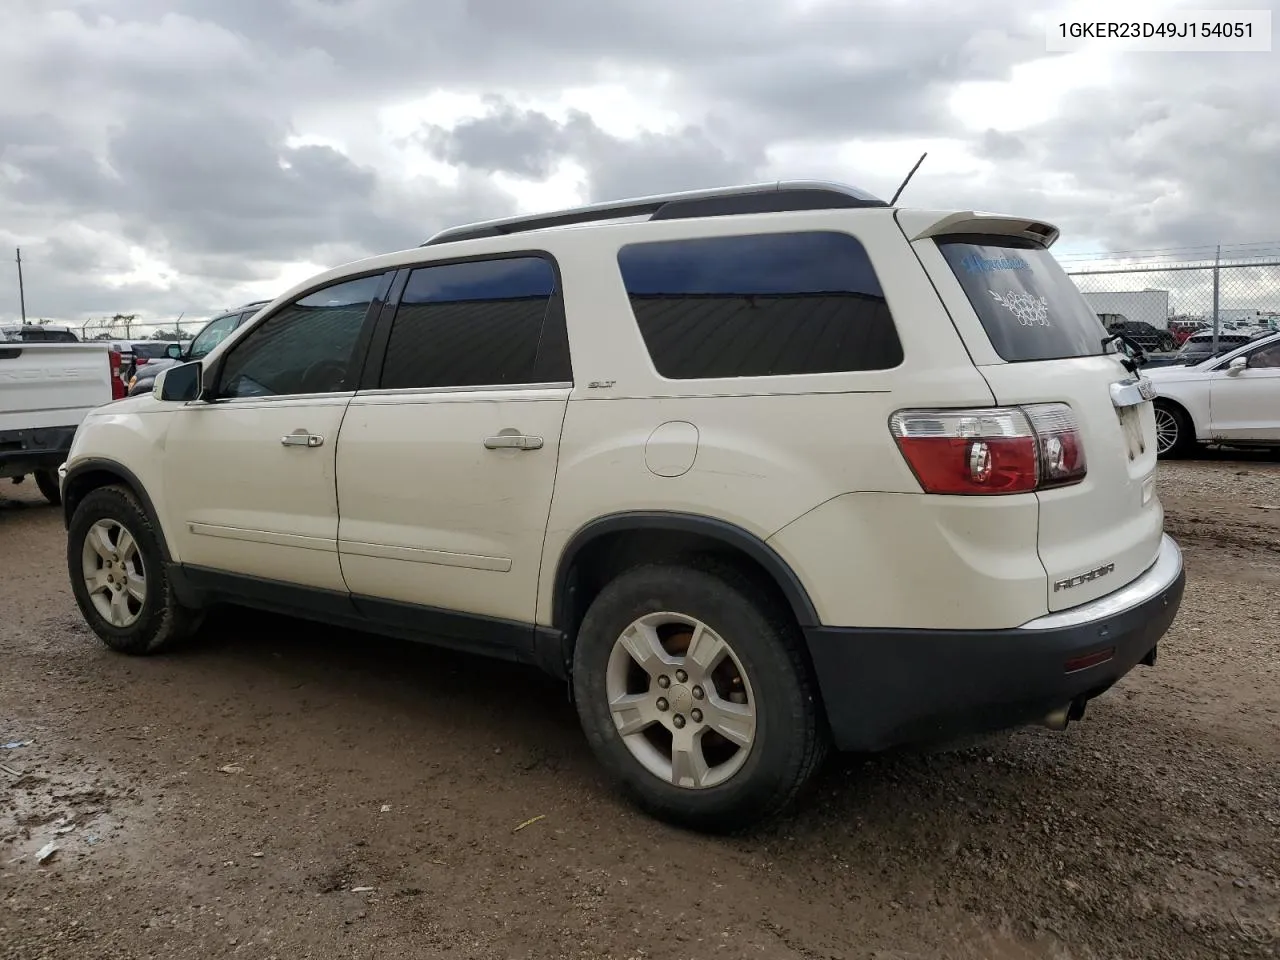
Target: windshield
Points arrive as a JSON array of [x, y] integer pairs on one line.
[[1028, 305], [213, 334]]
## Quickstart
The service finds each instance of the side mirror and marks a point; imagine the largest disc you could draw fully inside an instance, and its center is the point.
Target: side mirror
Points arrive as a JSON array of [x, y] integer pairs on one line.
[[1237, 365], [180, 384], [173, 351]]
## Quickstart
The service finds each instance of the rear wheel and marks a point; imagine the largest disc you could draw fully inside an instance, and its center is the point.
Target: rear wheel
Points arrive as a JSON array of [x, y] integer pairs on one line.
[[1166, 343], [118, 575], [1175, 436], [695, 696], [47, 481]]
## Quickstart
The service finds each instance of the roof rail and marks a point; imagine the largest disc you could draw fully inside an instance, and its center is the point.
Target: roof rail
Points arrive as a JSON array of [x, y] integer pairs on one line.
[[772, 197]]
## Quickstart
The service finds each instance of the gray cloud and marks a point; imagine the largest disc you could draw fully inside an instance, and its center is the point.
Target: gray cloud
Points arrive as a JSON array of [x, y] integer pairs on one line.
[[530, 144], [1180, 152], [165, 128]]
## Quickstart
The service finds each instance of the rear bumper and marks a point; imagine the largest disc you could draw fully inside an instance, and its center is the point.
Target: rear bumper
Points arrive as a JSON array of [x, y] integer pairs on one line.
[[26, 451], [883, 688]]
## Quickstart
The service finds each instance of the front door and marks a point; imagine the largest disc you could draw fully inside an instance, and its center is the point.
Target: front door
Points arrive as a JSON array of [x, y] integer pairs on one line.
[[446, 468], [1245, 405], [249, 472]]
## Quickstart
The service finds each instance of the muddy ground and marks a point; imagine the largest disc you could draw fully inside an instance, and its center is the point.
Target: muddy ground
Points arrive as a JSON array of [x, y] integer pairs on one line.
[[283, 791]]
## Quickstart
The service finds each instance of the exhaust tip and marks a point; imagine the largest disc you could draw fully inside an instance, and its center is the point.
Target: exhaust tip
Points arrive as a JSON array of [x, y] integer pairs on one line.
[[1057, 719]]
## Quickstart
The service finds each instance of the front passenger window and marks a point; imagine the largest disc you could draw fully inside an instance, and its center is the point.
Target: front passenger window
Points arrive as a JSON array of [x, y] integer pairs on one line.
[[305, 347]]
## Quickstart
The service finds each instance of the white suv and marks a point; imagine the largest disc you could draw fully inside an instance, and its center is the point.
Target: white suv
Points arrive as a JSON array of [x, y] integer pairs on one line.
[[775, 467]]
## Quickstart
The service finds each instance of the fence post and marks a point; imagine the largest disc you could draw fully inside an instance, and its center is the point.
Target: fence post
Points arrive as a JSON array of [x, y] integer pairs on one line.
[[1217, 260]]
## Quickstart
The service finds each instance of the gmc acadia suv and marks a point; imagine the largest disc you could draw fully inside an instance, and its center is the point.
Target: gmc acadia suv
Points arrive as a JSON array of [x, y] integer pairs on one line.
[[777, 468]]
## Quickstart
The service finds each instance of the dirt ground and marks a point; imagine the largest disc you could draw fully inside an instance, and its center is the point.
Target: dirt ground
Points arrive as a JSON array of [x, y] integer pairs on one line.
[[283, 791]]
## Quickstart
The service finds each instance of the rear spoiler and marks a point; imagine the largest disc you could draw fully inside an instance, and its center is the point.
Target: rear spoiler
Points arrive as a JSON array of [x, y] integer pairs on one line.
[[920, 224]]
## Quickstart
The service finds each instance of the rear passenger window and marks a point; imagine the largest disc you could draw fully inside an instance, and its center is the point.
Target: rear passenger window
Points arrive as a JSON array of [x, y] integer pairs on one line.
[[482, 323], [756, 306]]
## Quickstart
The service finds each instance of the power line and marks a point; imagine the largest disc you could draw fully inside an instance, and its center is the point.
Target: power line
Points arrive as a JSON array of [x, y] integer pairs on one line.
[[1155, 252]]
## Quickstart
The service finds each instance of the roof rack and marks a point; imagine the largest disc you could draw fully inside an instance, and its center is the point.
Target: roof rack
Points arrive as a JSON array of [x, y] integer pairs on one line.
[[772, 197]]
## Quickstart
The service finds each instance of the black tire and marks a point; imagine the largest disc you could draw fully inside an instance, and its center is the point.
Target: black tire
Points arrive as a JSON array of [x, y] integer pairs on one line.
[[790, 739], [161, 621], [1172, 417], [1167, 344], [47, 481]]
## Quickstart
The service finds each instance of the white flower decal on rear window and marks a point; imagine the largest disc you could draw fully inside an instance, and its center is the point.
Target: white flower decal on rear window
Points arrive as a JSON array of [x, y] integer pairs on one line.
[[1030, 311]]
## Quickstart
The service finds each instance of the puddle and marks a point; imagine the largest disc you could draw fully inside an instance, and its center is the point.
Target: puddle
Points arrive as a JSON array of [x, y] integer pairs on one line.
[[77, 807]]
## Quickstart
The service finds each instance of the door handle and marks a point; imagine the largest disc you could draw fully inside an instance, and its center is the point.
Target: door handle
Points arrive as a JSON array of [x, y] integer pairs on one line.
[[513, 441], [301, 440]]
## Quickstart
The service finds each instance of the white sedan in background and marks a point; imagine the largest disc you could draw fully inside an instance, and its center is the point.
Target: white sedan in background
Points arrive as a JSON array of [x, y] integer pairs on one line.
[[1233, 399]]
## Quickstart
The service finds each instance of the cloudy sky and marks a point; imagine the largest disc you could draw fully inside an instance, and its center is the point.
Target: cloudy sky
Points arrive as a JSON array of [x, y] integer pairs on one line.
[[178, 156]]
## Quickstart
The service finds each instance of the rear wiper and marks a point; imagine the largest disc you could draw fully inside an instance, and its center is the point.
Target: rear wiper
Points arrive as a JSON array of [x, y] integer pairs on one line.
[[1131, 363]]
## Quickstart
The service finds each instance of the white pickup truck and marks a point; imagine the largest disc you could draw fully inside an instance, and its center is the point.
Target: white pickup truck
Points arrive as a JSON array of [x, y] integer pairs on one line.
[[46, 389]]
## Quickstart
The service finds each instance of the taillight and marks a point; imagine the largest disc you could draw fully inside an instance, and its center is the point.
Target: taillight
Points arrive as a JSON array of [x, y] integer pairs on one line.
[[1062, 460], [993, 450], [118, 391]]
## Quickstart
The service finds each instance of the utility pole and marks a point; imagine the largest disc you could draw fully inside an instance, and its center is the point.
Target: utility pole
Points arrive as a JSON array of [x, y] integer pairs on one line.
[[22, 294], [1217, 270]]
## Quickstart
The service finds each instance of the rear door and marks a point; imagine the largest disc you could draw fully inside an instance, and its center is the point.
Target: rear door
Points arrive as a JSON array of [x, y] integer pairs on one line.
[[1035, 339], [446, 462]]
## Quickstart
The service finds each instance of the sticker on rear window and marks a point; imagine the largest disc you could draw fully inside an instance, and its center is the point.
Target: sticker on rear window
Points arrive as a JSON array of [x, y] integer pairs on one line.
[[974, 263], [1030, 311]]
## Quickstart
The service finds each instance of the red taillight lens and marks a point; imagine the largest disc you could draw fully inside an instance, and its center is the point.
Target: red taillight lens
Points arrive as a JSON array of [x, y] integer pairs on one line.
[[995, 450], [118, 391]]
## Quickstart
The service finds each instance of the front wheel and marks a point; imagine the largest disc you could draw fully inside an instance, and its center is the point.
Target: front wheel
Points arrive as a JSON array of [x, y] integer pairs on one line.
[[695, 696], [118, 575], [1175, 436]]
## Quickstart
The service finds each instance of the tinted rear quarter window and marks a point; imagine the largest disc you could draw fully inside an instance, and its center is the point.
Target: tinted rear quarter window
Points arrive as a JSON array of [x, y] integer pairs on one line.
[[479, 323], [1028, 306], [759, 305]]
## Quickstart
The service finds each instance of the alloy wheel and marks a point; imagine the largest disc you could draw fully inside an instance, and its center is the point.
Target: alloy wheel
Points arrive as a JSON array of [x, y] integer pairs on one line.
[[681, 700], [114, 574]]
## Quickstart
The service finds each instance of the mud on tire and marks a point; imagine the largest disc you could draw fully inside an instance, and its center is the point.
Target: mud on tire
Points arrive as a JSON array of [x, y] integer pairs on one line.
[[650, 748], [118, 575]]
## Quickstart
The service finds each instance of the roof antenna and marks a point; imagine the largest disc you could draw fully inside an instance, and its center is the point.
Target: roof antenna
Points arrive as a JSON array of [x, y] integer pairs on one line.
[[903, 186]]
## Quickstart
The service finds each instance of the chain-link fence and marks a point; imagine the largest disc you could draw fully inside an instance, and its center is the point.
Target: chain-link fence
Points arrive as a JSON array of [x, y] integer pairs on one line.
[[1242, 294], [124, 327]]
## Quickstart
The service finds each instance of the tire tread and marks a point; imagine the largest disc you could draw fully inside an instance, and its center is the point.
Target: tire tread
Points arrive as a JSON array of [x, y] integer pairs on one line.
[[811, 738], [169, 622]]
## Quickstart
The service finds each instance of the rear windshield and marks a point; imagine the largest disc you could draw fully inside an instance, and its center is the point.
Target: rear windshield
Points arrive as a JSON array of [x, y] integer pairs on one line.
[[1028, 305]]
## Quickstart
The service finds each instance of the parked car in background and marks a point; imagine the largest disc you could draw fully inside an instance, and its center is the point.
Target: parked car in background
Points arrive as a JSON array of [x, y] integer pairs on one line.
[[143, 352], [1200, 346], [1147, 336], [38, 333], [46, 390], [1183, 328], [779, 467], [1232, 399], [210, 335]]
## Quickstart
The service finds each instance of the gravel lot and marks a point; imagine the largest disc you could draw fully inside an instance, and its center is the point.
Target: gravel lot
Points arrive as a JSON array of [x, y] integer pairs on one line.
[[225, 801]]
